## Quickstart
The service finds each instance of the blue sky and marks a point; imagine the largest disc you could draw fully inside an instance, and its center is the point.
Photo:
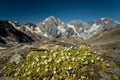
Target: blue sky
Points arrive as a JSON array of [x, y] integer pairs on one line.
[[37, 10]]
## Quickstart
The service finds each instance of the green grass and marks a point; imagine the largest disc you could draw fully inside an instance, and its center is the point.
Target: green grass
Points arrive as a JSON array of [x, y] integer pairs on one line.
[[60, 64]]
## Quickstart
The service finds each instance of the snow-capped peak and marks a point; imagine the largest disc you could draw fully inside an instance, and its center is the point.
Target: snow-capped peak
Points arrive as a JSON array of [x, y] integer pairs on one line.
[[117, 22], [102, 19], [49, 18]]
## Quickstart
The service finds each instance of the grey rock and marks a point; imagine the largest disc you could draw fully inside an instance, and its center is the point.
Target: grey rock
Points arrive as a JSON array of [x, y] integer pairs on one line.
[[6, 78], [16, 58], [105, 75]]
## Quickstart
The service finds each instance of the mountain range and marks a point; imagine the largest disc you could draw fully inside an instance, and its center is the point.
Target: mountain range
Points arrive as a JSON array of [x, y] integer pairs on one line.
[[51, 28]]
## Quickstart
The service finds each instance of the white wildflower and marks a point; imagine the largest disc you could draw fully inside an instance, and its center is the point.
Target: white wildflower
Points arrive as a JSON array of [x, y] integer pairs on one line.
[[28, 78], [98, 58], [89, 54], [45, 61], [47, 66], [67, 57], [62, 54], [53, 78], [73, 59], [46, 69], [28, 66], [69, 53], [101, 59], [69, 68], [74, 75], [86, 54], [92, 61], [32, 63], [63, 57], [51, 51], [83, 59], [43, 57], [82, 77], [41, 62], [38, 69], [22, 65], [44, 78], [26, 69], [50, 59], [108, 65], [54, 55], [60, 77], [36, 58], [28, 72], [45, 52], [54, 72], [58, 61], [24, 74], [15, 74], [86, 62], [38, 64], [54, 68], [79, 58]]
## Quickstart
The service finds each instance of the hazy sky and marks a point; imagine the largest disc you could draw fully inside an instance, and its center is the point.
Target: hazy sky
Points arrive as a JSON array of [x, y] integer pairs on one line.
[[67, 10]]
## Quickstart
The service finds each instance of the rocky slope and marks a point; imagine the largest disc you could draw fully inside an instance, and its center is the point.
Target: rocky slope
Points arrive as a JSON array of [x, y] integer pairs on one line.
[[108, 39], [11, 36]]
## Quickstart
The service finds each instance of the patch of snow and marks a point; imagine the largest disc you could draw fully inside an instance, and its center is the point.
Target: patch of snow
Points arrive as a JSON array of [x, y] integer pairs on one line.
[[12, 24], [43, 23], [106, 22], [9, 22], [63, 23], [70, 26], [73, 27], [45, 34], [102, 19], [46, 19], [85, 31], [61, 29], [117, 22], [29, 29], [37, 30], [94, 27]]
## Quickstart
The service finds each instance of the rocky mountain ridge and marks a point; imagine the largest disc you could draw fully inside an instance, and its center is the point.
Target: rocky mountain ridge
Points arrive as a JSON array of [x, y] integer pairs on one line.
[[53, 27]]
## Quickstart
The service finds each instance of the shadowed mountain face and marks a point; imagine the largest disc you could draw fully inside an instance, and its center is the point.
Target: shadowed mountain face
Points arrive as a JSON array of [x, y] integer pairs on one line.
[[29, 29], [10, 35]]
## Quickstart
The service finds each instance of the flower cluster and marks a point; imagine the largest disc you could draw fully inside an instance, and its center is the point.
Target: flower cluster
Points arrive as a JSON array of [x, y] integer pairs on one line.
[[66, 64]]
